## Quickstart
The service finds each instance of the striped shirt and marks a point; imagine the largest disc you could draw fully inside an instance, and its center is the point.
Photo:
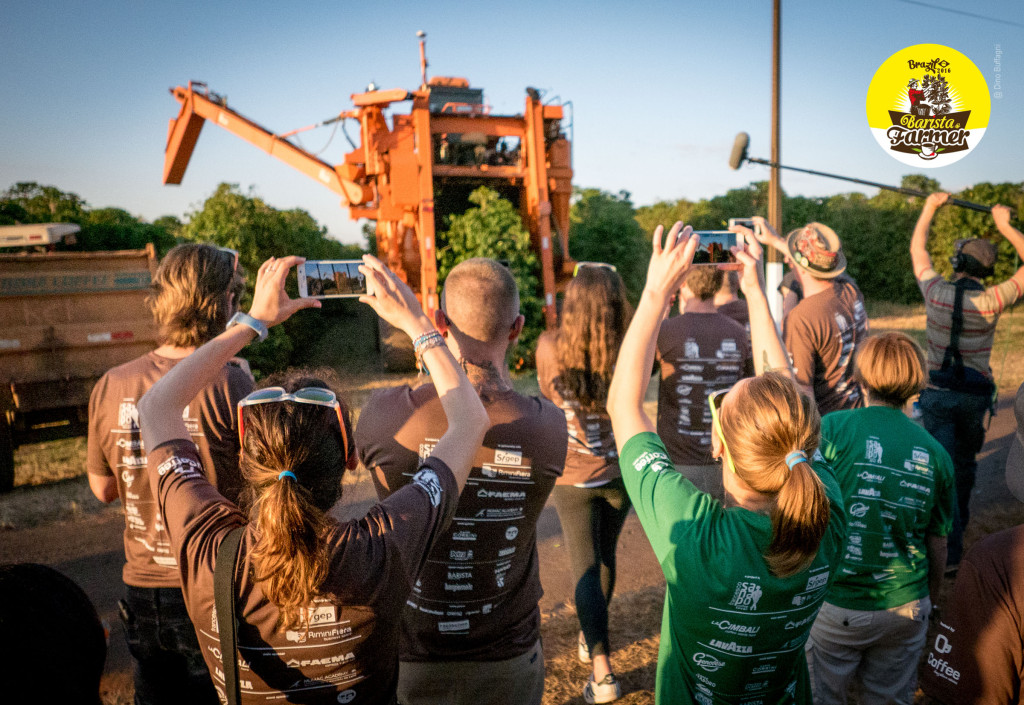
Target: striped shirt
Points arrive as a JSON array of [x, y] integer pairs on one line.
[[981, 311]]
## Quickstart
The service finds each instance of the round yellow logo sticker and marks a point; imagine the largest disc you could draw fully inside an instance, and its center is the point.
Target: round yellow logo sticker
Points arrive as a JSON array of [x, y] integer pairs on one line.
[[928, 105]]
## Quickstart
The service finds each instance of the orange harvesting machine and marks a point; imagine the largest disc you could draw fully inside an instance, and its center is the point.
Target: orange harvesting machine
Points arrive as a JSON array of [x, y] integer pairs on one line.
[[410, 170]]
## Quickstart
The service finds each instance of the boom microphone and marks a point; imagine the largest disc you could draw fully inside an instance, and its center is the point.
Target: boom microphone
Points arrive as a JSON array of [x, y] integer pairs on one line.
[[739, 150], [739, 155]]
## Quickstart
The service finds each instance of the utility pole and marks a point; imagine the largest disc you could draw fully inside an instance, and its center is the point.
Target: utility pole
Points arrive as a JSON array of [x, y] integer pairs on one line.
[[773, 272]]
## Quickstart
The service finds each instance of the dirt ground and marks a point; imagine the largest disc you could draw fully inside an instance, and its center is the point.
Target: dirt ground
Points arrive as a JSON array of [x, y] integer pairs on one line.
[[90, 551]]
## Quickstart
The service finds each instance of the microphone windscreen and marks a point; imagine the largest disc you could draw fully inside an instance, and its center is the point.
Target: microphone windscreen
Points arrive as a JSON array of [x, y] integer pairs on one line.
[[739, 150]]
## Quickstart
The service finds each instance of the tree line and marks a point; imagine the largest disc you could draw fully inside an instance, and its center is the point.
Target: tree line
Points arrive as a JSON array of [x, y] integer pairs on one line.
[[605, 227]]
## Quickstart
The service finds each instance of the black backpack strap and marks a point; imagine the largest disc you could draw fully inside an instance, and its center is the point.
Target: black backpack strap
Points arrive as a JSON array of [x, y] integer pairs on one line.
[[953, 358], [225, 601]]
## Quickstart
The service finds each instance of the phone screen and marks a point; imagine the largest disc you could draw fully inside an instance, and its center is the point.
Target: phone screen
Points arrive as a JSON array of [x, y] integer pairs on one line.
[[328, 279], [714, 248]]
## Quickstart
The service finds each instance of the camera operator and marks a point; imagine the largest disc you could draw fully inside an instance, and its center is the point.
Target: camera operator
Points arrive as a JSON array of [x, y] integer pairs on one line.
[[961, 317]]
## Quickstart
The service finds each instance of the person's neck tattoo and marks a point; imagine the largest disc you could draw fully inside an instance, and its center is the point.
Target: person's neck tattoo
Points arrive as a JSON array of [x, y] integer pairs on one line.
[[486, 378]]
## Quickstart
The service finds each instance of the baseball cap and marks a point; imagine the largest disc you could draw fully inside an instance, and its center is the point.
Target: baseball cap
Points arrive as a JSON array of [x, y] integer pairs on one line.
[[981, 250], [816, 249], [1015, 460]]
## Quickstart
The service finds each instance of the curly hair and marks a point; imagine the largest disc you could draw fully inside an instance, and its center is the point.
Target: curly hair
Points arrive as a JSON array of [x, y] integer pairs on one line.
[[189, 296], [290, 558], [595, 315]]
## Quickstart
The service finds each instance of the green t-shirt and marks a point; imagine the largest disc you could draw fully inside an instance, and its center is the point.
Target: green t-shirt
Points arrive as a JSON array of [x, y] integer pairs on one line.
[[898, 485], [731, 632]]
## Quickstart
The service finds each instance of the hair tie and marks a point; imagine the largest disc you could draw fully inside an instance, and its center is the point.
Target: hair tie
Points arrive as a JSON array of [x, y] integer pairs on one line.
[[797, 456], [287, 473]]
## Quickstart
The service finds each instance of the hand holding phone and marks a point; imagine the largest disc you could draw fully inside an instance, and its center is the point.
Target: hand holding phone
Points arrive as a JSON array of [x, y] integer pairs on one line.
[[331, 279], [716, 249]]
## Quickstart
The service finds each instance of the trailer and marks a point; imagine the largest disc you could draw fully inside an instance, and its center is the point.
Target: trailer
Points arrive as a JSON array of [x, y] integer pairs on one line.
[[65, 319]]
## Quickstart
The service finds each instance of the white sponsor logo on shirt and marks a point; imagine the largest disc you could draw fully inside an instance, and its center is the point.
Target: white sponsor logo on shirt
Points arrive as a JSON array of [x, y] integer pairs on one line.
[[461, 625], [746, 596], [817, 581], [873, 451], [508, 457], [730, 628], [346, 696], [858, 509], [708, 662], [511, 533], [427, 479], [920, 456]]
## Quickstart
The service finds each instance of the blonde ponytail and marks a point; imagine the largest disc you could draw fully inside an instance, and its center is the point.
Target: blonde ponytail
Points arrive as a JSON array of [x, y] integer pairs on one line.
[[767, 421]]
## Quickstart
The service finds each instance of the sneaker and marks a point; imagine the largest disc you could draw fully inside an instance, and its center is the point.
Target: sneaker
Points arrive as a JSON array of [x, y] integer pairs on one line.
[[606, 691], [582, 650]]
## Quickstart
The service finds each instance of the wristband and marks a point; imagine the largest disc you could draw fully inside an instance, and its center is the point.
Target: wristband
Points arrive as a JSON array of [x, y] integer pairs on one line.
[[426, 341], [248, 321]]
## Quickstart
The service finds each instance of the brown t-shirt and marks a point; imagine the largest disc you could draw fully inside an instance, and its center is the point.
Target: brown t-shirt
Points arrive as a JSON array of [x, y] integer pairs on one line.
[[115, 448], [977, 654], [592, 458], [821, 334], [476, 599], [738, 311], [350, 652], [699, 353]]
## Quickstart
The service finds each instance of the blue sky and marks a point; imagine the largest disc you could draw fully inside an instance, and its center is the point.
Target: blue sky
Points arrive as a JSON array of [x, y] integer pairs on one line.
[[659, 90]]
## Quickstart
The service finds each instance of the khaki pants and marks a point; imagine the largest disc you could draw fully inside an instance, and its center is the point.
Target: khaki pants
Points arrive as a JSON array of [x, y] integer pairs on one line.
[[874, 650], [707, 478], [518, 680]]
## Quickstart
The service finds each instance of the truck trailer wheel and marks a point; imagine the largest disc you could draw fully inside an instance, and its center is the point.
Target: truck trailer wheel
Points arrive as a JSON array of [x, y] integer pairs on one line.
[[6, 456], [395, 348]]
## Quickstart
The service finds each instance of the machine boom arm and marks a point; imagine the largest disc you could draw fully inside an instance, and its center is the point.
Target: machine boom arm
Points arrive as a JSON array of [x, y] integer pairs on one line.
[[196, 108]]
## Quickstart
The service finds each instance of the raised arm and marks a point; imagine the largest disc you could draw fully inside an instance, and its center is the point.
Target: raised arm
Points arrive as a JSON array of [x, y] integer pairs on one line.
[[665, 274], [919, 240], [160, 408], [467, 419], [769, 351], [765, 234], [1001, 217]]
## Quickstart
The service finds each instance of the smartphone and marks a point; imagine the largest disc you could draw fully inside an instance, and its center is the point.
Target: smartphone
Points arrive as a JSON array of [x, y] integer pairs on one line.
[[331, 279], [714, 249], [745, 222]]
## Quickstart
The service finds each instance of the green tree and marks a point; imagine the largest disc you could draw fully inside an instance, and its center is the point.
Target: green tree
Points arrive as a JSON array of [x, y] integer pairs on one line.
[[605, 228], [258, 231], [494, 229], [36, 203]]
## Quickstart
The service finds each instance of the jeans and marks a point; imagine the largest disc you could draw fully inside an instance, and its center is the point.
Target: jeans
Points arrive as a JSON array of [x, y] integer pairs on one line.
[[957, 421], [592, 520], [876, 651], [169, 666]]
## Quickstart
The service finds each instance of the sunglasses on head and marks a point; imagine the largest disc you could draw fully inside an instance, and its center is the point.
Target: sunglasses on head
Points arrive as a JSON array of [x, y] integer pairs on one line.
[[715, 402], [234, 257], [598, 265], [307, 395]]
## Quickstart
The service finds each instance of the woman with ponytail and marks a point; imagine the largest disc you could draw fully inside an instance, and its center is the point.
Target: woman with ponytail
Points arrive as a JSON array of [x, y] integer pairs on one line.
[[898, 483], [574, 368], [318, 602], [745, 577]]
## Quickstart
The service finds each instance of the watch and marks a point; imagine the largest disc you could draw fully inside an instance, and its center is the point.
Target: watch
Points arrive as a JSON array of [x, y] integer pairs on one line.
[[246, 320]]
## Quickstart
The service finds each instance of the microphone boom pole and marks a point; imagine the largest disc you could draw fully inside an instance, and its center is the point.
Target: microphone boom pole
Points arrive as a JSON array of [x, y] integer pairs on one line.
[[739, 155]]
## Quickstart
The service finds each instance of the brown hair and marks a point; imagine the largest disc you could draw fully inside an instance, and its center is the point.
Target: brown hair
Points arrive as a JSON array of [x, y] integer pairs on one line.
[[595, 315], [481, 299], [890, 367], [768, 419], [290, 556], [189, 296], [704, 282]]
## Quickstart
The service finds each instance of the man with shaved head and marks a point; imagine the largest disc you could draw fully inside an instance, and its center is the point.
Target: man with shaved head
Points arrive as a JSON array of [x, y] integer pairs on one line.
[[471, 629]]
